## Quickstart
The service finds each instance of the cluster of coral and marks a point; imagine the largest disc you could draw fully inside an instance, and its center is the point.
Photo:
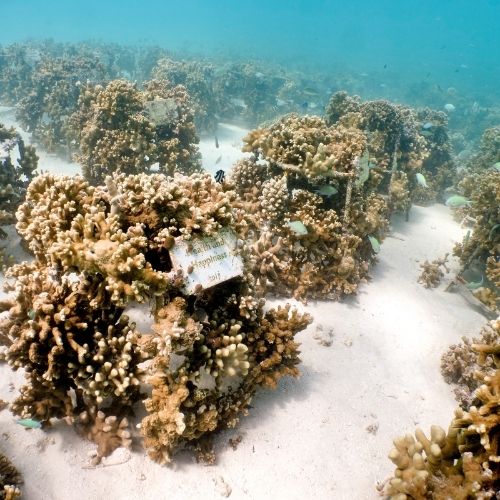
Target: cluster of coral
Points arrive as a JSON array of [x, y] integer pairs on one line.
[[479, 252], [313, 225], [10, 480], [464, 461], [51, 95], [18, 163], [98, 253], [121, 128], [460, 363], [408, 151]]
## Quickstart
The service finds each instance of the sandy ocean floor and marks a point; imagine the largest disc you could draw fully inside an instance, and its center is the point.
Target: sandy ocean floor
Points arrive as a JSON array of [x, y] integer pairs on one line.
[[370, 372]]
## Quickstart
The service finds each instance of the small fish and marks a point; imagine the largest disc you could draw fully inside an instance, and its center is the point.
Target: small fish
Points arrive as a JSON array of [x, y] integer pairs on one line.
[[326, 190], [31, 314], [217, 161], [29, 423], [449, 108], [309, 91], [421, 180], [240, 103], [304, 105], [496, 166], [298, 227], [259, 75], [374, 243], [216, 142], [219, 176], [385, 66], [457, 201], [473, 285], [427, 125], [426, 133]]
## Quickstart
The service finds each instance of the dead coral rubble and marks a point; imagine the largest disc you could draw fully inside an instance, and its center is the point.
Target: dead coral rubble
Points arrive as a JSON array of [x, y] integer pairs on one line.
[[432, 273], [311, 215], [463, 462], [98, 252], [121, 128]]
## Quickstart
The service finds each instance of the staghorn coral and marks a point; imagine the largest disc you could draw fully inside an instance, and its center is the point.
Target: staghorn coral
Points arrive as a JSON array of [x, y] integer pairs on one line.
[[432, 273], [99, 250], [10, 480], [462, 462], [121, 128]]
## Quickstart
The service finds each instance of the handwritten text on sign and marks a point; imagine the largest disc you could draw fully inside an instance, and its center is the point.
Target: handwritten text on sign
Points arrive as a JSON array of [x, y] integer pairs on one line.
[[211, 259]]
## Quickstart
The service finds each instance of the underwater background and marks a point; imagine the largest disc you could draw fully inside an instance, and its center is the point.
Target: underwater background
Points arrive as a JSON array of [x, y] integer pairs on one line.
[[201, 201], [391, 43]]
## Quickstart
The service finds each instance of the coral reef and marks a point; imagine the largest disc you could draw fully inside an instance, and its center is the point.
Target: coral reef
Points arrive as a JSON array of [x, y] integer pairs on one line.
[[52, 96], [432, 273], [10, 480], [98, 252], [462, 462], [311, 218], [122, 128], [479, 252], [408, 150], [18, 163], [460, 363], [197, 77], [438, 168], [489, 151]]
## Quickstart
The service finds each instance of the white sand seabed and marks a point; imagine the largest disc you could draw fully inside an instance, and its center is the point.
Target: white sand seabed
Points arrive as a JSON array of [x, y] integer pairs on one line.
[[309, 438]]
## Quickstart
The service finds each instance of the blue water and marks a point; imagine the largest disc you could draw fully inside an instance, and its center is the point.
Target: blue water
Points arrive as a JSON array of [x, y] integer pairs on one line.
[[449, 42]]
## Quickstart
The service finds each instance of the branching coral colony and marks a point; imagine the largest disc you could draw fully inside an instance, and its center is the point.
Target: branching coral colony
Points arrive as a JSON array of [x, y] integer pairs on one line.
[[10, 480], [463, 462], [100, 250], [409, 151], [18, 163], [51, 96], [479, 252], [121, 128], [314, 223]]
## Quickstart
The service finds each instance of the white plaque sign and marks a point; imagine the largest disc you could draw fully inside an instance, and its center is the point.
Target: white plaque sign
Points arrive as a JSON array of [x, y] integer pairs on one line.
[[208, 260]]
